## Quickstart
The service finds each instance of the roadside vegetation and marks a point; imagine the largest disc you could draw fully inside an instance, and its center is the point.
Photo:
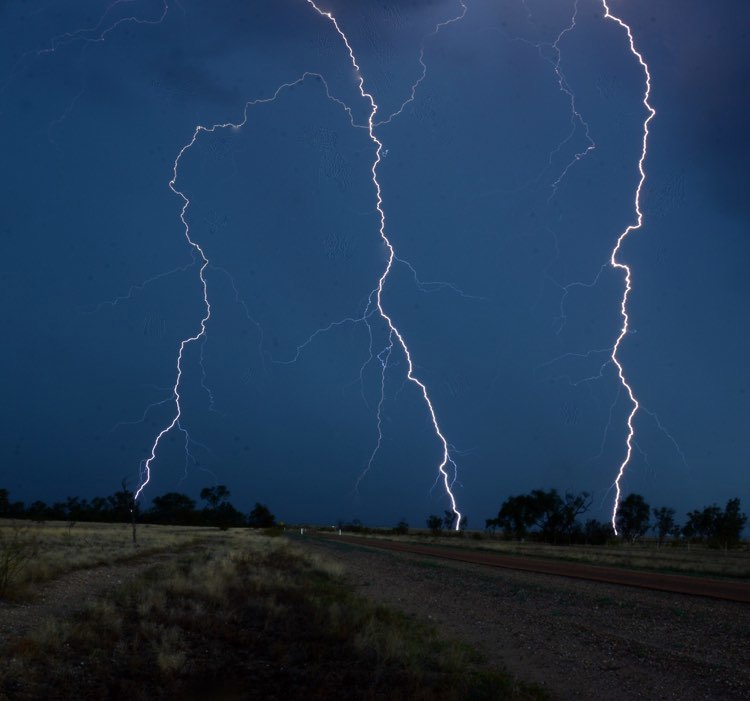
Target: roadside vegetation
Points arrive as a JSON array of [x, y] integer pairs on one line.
[[39, 541], [696, 559], [546, 524], [247, 616], [546, 516], [33, 553]]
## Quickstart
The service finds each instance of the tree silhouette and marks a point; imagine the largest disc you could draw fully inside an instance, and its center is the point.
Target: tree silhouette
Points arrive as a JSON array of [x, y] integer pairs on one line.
[[121, 504], [721, 529], [449, 518], [516, 515], [731, 524], [664, 524], [596, 532], [261, 517], [401, 528], [633, 517], [218, 511], [173, 508], [214, 496], [554, 517], [435, 524]]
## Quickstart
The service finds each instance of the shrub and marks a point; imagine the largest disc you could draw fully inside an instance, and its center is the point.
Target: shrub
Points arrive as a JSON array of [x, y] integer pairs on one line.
[[15, 551]]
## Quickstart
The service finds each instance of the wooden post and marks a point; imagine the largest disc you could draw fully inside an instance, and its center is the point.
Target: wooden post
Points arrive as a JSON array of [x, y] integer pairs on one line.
[[132, 513]]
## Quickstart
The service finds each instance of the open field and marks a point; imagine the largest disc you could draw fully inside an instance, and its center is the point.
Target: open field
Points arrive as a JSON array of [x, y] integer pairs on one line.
[[223, 615], [697, 559], [44, 551], [197, 613]]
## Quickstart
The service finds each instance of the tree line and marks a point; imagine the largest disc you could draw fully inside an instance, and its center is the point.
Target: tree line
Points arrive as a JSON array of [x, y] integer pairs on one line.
[[546, 516], [172, 508]]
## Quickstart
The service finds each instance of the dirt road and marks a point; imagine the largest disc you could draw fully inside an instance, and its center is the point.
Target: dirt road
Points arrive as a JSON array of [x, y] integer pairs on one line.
[[582, 640], [726, 590]]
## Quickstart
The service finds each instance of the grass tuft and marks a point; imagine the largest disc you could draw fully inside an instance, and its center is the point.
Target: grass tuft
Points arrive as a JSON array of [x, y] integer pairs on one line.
[[256, 615]]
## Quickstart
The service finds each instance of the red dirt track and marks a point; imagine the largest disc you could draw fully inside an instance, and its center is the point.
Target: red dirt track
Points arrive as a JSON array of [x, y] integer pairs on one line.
[[726, 590]]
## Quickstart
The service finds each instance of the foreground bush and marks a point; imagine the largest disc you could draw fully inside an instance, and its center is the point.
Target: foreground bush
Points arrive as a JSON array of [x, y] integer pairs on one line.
[[256, 621]]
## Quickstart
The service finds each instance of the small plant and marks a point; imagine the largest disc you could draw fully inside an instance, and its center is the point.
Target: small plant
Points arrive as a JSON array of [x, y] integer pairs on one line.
[[261, 517], [435, 524], [401, 528], [16, 550], [242, 603]]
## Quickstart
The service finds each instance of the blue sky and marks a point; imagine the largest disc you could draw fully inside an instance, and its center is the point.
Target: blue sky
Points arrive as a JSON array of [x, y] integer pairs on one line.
[[508, 315]]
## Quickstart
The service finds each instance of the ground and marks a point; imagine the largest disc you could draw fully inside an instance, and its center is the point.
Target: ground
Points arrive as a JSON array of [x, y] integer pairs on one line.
[[576, 639], [579, 640]]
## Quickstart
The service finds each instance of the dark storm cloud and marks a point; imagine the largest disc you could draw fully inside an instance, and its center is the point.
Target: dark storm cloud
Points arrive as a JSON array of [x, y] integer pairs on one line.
[[287, 208], [706, 46]]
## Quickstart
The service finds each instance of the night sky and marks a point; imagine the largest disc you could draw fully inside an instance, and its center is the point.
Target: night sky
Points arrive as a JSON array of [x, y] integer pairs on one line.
[[502, 298]]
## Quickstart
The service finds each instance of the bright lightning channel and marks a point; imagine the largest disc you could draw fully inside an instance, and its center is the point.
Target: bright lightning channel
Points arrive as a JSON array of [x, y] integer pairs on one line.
[[615, 263], [201, 256], [146, 478], [393, 330]]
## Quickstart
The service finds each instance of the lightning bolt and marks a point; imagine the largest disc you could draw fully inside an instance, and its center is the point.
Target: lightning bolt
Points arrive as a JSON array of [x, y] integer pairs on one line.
[[429, 286], [393, 330], [563, 317], [99, 33], [420, 80], [134, 289], [615, 263], [241, 302], [200, 254], [89, 35], [146, 478], [575, 115], [383, 357]]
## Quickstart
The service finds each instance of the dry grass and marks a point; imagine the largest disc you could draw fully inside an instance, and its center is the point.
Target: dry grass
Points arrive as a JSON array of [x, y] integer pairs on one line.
[[48, 550], [248, 613], [18, 550]]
